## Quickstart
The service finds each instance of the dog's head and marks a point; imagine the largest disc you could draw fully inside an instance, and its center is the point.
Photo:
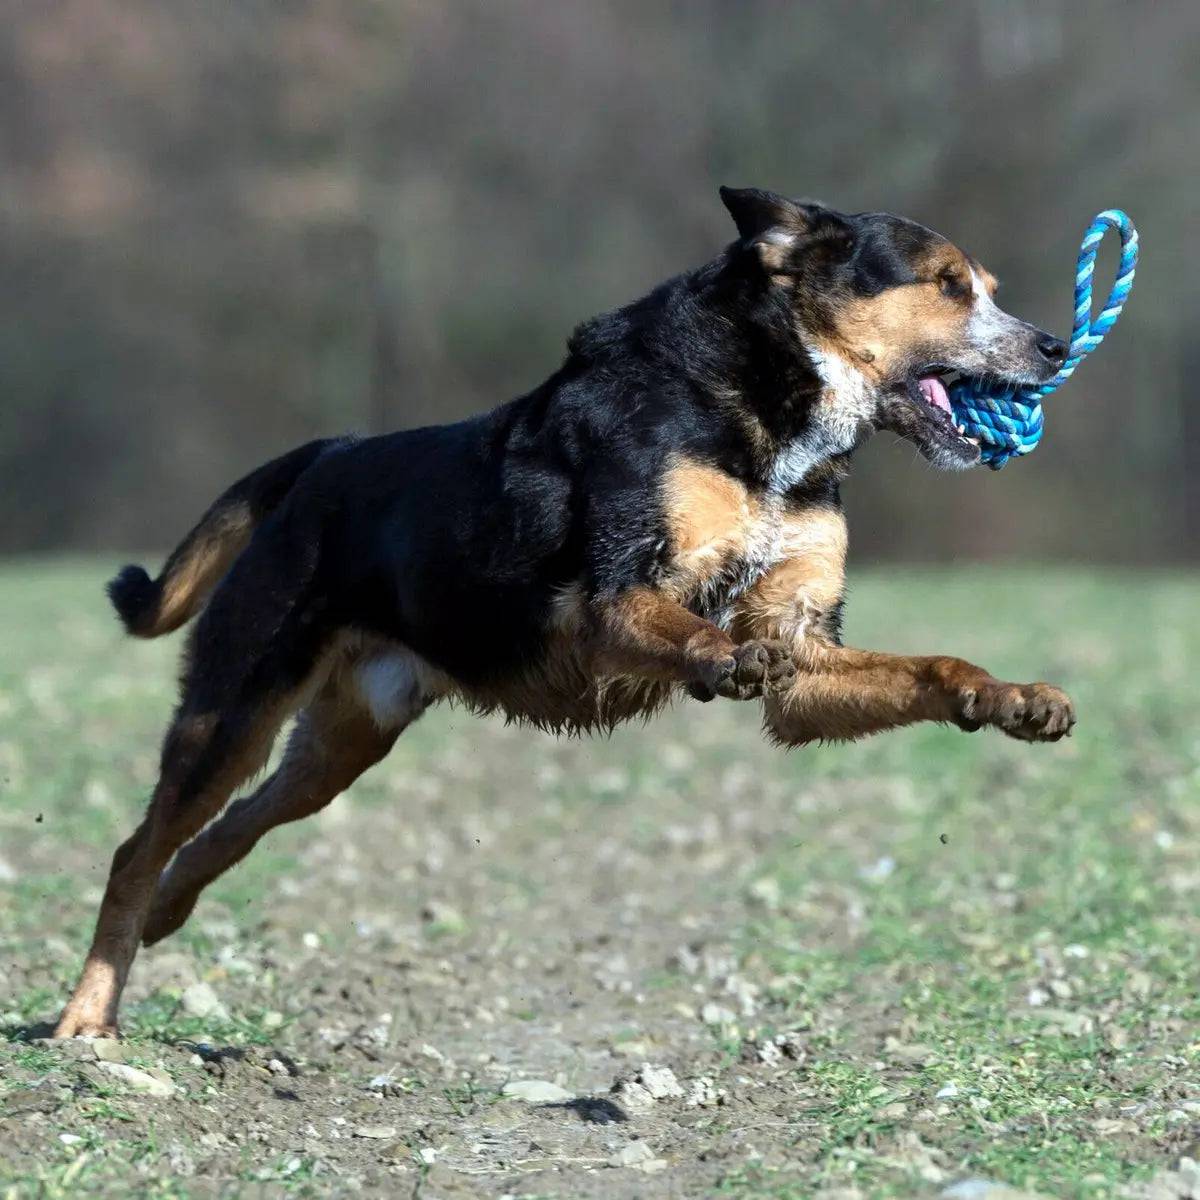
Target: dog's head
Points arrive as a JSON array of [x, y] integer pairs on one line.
[[887, 311]]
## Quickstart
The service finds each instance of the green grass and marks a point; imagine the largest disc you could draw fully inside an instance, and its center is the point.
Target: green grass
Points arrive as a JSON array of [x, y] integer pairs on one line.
[[929, 887]]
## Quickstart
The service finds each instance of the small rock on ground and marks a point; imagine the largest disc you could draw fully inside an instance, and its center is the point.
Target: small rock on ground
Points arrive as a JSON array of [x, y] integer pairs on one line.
[[536, 1091], [647, 1086], [108, 1050], [378, 1132], [139, 1081], [639, 1157]]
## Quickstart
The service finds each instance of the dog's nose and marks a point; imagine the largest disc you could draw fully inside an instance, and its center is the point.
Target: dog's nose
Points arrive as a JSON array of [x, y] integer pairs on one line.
[[1052, 349]]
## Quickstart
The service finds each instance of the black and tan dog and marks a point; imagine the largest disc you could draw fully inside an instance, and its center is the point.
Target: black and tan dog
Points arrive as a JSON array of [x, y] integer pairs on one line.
[[661, 515]]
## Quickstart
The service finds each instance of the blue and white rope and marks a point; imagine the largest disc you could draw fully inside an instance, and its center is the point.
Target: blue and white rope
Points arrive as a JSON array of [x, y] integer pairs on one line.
[[1007, 421]]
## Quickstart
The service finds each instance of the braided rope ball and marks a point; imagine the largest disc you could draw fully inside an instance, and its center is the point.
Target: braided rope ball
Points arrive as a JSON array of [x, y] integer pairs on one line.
[[1008, 421]]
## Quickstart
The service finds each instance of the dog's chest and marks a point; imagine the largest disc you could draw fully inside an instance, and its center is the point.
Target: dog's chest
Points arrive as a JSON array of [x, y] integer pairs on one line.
[[722, 538]]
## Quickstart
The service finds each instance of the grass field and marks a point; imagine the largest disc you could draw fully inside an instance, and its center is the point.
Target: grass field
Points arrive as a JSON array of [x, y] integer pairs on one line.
[[872, 970]]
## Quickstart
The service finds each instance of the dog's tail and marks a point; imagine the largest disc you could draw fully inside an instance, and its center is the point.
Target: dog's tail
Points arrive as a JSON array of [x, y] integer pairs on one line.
[[151, 607]]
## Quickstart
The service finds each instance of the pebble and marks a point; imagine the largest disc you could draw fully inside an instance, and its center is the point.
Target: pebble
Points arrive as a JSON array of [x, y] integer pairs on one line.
[[1116, 1037], [704, 1093], [915, 1054], [646, 1087], [774, 1050], [639, 1156], [378, 1132], [717, 1014], [765, 892], [536, 1091], [660, 1082], [108, 1050], [1073, 1024], [139, 1081], [631, 1049], [199, 1000], [879, 870]]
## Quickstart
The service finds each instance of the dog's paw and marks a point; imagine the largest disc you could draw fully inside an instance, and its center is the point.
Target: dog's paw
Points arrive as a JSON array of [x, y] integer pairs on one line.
[[753, 669], [1031, 712], [81, 1025]]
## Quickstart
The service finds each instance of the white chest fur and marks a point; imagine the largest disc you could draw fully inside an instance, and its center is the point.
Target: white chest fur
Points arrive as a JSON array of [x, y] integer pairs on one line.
[[848, 399]]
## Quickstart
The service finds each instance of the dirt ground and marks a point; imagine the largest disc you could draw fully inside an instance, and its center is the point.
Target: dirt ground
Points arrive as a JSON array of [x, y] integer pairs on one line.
[[673, 963]]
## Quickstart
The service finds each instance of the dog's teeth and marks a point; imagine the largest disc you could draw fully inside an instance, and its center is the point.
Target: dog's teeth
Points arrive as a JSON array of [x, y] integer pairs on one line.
[[961, 429], [973, 441]]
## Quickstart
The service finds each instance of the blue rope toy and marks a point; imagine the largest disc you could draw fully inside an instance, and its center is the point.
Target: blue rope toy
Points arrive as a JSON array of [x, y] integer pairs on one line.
[[1007, 421]]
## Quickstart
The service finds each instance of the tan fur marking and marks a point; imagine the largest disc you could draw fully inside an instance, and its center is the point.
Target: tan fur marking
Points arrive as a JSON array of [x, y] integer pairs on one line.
[[710, 519], [887, 331], [790, 600], [647, 634], [200, 567], [895, 325], [841, 693]]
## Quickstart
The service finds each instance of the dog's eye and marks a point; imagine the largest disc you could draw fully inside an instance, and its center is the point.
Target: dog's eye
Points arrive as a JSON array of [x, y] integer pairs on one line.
[[953, 284]]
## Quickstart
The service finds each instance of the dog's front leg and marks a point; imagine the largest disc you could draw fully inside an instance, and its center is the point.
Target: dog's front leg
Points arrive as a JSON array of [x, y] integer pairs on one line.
[[647, 634], [841, 693]]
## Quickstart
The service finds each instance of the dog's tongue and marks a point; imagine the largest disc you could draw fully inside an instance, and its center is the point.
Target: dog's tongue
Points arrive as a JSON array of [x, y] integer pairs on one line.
[[934, 390]]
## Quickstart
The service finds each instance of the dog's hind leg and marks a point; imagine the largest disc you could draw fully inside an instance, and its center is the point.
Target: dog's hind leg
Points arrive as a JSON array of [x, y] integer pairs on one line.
[[204, 758], [252, 660], [336, 739]]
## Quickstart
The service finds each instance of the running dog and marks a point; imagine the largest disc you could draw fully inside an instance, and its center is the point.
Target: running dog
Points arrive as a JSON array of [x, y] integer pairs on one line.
[[660, 516]]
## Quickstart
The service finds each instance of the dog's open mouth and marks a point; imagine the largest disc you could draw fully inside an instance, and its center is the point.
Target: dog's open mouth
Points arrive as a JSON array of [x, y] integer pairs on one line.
[[920, 411], [934, 388]]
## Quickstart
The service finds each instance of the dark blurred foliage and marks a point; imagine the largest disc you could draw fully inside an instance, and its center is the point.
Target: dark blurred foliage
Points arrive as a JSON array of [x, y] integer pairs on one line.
[[227, 227]]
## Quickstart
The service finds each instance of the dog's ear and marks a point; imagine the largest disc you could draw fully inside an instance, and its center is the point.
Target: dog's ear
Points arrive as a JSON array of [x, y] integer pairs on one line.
[[755, 211], [786, 235]]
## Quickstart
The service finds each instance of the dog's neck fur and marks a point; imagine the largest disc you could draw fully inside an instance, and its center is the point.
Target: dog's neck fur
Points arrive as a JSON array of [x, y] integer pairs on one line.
[[806, 406], [788, 406]]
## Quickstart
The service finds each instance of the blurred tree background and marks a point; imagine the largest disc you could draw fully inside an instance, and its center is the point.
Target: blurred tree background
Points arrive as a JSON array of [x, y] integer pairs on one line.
[[226, 228]]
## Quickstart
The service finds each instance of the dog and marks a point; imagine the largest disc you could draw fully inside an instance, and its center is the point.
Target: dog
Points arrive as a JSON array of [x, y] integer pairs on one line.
[[660, 517]]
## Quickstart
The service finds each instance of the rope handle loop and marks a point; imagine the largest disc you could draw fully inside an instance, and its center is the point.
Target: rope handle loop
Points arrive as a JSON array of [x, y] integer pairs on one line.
[[1008, 422], [1087, 334]]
